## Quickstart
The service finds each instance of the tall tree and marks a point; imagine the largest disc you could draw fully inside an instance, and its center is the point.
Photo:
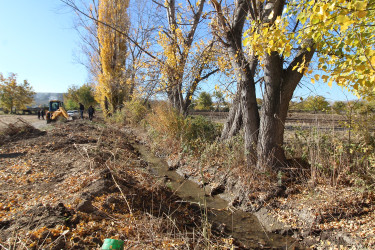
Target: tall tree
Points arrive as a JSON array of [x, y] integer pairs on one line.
[[186, 60], [183, 62], [204, 101], [281, 39], [143, 29], [244, 110], [15, 95], [112, 88], [138, 39], [220, 100], [87, 29]]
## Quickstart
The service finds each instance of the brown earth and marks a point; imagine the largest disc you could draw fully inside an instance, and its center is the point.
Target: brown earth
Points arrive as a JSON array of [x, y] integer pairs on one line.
[[293, 118], [320, 216], [78, 183]]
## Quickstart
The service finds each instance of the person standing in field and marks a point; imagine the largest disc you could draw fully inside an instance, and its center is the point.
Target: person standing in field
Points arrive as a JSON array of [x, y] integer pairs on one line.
[[39, 114], [91, 112], [81, 109], [42, 113]]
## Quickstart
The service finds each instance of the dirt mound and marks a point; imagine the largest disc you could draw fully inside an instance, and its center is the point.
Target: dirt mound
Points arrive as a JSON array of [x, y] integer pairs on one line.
[[18, 130]]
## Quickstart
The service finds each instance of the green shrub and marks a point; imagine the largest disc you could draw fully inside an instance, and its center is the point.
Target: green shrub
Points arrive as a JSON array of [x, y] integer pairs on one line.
[[198, 132]]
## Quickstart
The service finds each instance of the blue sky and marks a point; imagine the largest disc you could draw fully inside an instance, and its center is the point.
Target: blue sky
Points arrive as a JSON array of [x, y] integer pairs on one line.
[[38, 43]]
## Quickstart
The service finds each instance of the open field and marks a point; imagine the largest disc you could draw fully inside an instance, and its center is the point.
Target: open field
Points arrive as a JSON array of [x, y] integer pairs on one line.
[[301, 120], [293, 118]]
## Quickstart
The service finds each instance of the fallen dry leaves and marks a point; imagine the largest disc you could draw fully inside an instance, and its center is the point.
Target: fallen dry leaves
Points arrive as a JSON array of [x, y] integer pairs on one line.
[[57, 192]]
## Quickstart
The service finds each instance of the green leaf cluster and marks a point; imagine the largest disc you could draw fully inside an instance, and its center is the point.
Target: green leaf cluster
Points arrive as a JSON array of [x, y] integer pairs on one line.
[[84, 94]]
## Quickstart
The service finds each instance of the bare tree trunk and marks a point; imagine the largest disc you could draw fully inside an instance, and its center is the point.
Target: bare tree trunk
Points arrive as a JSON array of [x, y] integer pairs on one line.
[[267, 134], [175, 98], [247, 99], [245, 78], [270, 152], [132, 85], [279, 88], [233, 122], [250, 116]]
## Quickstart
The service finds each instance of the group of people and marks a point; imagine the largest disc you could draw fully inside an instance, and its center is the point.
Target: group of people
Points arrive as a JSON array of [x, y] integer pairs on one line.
[[41, 113], [90, 111]]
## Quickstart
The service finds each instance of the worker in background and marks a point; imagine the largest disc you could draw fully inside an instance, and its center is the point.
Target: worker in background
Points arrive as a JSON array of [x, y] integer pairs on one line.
[[39, 114], [42, 113], [91, 112], [81, 109]]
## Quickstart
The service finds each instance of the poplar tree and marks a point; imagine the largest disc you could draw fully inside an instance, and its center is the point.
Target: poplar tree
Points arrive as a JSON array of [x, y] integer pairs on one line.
[[112, 88]]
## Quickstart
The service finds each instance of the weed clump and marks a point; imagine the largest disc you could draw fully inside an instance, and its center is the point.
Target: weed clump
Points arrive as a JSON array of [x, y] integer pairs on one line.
[[135, 111], [117, 117], [199, 132], [175, 133]]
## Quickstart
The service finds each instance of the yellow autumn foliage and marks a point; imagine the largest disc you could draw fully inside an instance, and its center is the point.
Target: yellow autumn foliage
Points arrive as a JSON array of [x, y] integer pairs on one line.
[[112, 86], [343, 35]]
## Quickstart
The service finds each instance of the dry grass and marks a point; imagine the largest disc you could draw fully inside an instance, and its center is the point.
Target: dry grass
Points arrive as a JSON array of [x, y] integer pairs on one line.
[[50, 183], [327, 186]]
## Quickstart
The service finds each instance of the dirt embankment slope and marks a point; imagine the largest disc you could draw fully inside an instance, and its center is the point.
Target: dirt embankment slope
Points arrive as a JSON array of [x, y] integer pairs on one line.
[[79, 183], [30, 119]]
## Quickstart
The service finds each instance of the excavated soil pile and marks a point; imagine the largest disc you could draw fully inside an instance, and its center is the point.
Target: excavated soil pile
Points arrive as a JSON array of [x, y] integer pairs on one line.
[[20, 129]]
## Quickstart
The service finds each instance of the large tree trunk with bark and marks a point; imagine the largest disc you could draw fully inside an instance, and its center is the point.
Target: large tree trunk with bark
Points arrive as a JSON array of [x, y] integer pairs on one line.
[[244, 111], [279, 88], [175, 98], [174, 91], [271, 131], [247, 96], [263, 138], [247, 108], [233, 122]]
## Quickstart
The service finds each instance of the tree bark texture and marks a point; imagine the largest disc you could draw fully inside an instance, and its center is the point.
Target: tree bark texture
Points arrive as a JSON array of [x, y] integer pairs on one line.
[[233, 122], [270, 151], [279, 88]]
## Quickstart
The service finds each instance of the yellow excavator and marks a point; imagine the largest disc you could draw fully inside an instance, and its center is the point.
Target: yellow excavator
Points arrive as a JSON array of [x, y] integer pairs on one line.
[[56, 111]]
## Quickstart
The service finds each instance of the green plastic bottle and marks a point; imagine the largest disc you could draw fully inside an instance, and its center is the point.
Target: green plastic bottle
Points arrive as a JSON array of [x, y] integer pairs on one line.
[[113, 244]]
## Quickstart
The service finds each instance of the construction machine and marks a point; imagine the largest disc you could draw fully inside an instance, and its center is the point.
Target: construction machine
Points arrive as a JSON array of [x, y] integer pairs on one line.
[[56, 111]]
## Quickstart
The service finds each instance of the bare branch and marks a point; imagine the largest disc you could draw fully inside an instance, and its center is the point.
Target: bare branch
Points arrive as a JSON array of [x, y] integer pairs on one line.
[[75, 7]]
